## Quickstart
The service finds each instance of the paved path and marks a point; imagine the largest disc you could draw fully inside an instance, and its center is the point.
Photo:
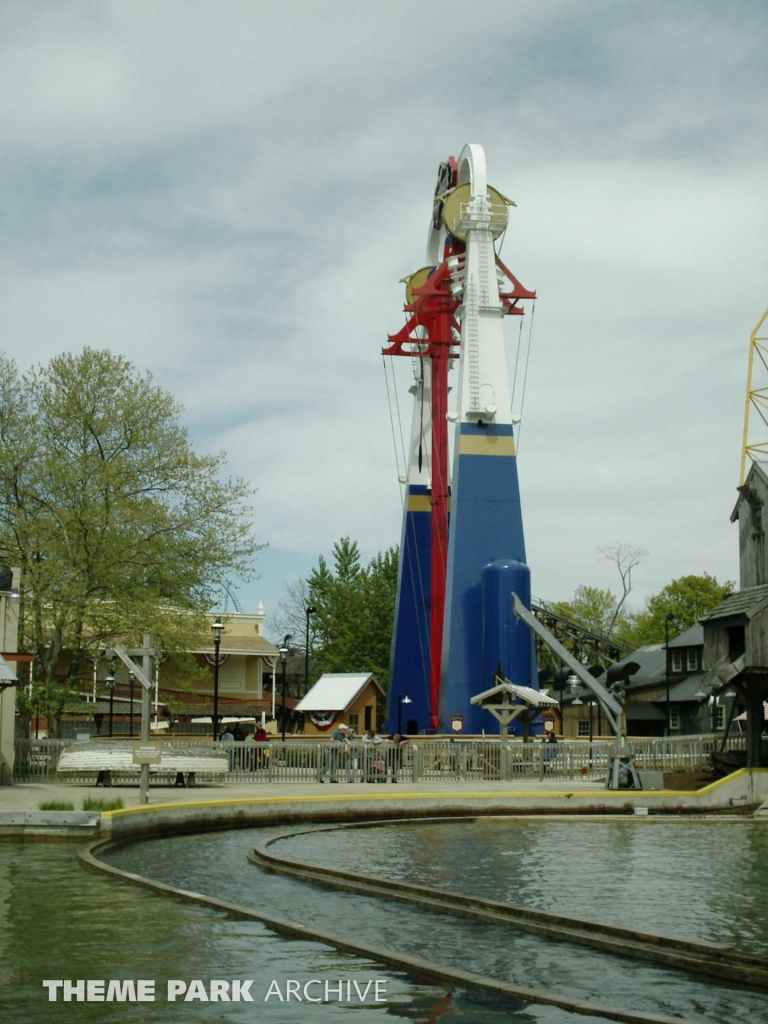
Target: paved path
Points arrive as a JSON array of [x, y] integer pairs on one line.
[[26, 796]]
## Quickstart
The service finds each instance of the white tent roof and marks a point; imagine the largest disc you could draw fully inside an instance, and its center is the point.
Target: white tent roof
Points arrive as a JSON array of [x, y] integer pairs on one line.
[[335, 691], [526, 693]]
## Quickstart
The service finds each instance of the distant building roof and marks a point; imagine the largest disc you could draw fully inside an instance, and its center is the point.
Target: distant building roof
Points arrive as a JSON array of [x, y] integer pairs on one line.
[[643, 711], [685, 690], [335, 691], [652, 659], [254, 644], [692, 637], [742, 602]]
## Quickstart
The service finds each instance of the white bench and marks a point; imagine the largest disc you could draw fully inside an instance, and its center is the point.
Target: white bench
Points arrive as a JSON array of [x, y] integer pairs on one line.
[[109, 760]]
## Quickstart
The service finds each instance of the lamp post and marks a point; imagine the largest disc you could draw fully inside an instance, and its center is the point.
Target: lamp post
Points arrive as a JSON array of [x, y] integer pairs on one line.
[[218, 629], [131, 680], [109, 686], [310, 610], [283, 659], [402, 698], [667, 619]]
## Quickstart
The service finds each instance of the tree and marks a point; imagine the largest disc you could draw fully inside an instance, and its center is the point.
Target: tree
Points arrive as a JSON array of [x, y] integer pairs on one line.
[[596, 609], [626, 558], [687, 599], [355, 610], [119, 528]]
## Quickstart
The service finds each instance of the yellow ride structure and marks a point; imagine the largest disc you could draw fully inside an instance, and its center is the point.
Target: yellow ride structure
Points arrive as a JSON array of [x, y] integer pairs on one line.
[[757, 398]]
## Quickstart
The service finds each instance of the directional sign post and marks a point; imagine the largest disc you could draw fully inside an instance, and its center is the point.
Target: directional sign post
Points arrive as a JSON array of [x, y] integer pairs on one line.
[[144, 675]]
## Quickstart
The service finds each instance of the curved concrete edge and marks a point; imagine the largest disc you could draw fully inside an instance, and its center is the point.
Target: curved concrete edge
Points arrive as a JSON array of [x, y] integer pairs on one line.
[[740, 791], [48, 824], [685, 954], [392, 958]]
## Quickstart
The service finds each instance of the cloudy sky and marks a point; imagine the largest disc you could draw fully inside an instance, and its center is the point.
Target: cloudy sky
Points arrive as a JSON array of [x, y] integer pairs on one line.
[[228, 192]]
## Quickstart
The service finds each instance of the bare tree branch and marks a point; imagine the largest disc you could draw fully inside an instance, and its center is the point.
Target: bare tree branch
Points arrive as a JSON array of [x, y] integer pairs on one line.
[[625, 557]]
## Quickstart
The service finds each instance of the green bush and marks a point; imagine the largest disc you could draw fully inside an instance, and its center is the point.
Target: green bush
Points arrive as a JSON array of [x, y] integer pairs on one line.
[[100, 803], [55, 805]]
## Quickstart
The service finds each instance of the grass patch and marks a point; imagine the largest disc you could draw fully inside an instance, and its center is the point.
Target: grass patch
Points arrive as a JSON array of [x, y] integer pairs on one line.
[[100, 803], [55, 805]]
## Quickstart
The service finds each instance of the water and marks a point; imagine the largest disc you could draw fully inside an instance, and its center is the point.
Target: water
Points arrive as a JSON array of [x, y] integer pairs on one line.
[[59, 921], [707, 881]]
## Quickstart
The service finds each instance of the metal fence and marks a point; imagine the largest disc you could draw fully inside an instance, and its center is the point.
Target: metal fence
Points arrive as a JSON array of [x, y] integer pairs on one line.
[[423, 758]]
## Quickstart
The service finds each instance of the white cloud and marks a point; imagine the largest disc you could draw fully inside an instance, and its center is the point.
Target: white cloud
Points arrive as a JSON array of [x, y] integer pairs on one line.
[[228, 193]]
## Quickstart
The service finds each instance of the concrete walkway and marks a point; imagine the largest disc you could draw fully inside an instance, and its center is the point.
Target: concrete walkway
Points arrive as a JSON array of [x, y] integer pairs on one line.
[[26, 796]]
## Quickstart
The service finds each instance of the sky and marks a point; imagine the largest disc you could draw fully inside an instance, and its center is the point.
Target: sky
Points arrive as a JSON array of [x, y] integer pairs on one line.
[[228, 194]]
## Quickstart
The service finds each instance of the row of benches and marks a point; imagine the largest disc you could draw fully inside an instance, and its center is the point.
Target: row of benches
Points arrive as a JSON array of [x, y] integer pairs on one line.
[[110, 761]]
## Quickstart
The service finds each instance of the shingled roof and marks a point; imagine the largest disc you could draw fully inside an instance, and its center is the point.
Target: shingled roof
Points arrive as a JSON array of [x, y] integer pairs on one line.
[[743, 602]]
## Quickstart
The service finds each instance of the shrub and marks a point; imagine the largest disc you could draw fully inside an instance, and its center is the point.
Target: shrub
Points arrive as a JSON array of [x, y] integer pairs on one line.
[[55, 805], [100, 803]]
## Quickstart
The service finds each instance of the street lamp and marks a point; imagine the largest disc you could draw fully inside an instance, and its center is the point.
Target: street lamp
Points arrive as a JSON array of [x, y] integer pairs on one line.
[[309, 611], [667, 619], [401, 699], [284, 658], [218, 629], [109, 686]]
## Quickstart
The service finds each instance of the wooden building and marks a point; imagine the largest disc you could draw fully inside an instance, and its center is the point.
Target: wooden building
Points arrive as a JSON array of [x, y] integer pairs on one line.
[[736, 632], [349, 697]]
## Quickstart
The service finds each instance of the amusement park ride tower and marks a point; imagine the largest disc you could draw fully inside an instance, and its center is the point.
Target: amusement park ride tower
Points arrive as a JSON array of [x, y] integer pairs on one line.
[[462, 549]]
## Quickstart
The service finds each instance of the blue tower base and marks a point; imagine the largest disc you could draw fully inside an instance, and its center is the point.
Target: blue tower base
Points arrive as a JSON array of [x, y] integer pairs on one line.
[[486, 525], [409, 661]]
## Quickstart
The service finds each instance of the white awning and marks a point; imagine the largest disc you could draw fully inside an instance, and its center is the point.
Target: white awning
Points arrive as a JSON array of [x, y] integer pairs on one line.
[[527, 694]]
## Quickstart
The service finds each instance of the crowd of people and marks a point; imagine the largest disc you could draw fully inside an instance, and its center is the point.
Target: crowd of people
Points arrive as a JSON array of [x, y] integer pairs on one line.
[[371, 757], [378, 759]]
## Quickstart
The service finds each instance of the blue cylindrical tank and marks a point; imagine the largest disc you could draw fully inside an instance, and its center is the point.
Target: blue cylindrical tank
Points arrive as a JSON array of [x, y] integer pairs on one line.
[[506, 639]]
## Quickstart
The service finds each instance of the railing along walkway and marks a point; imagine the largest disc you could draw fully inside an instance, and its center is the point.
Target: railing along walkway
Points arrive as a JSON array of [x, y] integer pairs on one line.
[[422, 758]]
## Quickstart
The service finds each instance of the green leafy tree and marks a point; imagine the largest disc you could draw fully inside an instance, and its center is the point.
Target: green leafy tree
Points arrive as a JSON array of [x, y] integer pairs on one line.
[[687, 599], [355, 610], [119, 528], [595, 609]]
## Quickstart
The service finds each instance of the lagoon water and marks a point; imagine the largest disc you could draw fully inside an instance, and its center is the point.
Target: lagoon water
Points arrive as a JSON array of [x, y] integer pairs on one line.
[[708, 881]]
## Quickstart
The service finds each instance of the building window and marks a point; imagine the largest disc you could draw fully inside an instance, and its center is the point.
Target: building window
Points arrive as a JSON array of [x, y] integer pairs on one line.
[[692, 659], [354, 722], [674, 718], [583, 727], [719, 717], [368, 717], [677, 661]]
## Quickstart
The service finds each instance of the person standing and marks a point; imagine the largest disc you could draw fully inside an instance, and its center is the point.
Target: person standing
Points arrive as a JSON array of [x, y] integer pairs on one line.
[[331, 760], [396, 754], [371, 744]]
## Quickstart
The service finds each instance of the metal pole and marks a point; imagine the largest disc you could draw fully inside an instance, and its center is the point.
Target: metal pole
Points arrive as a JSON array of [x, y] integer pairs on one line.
[[216, 645], [666, 662], [130, 720], [146, 711], [310, 611], [282, 704], [111, 699]]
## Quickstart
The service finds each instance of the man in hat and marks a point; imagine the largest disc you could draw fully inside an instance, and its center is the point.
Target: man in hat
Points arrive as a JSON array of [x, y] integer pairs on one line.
[[331, 762]]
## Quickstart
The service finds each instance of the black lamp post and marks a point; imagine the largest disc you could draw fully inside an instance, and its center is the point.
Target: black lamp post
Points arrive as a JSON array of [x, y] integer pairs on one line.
[[309, 611], [667, 619], [402, 698], [218, 629], [283, 659], [109, 686]]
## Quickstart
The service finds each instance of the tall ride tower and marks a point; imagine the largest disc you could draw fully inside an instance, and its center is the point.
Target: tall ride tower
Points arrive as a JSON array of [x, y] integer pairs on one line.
[[458, 301]]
